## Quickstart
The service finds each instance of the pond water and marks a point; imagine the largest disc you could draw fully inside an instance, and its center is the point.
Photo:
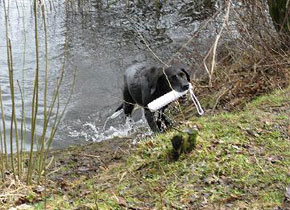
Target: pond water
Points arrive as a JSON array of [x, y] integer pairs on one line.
[[99, 42]]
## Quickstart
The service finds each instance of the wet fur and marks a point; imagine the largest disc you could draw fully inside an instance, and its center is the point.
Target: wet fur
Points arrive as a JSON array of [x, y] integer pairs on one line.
[[144, 83]]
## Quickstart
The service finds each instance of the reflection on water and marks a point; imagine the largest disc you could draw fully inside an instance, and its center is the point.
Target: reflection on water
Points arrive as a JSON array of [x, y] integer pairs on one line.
[[102, 41]]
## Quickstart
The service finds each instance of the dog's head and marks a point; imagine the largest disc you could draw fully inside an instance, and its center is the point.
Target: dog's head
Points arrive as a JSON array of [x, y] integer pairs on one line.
[[178, 76]]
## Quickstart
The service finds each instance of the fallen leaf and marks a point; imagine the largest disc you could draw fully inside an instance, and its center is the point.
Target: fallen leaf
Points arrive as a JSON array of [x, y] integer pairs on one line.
[[83, 169], [23, 206], [121, 201], [286, 200], [274, 159]]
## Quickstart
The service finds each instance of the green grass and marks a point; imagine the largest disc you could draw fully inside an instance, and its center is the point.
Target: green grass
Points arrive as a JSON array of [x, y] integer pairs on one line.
[[242, 161]]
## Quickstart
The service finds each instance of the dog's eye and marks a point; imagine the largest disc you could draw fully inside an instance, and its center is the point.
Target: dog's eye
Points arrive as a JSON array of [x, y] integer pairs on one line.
[[174, 77], [181, 74]]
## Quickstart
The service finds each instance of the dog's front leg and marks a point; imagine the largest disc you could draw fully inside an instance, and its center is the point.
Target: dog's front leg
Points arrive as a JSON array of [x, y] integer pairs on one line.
[[162, 121], [150, 120]]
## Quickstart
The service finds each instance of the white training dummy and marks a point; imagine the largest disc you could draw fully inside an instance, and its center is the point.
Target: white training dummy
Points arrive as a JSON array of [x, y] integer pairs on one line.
[[172, 96]]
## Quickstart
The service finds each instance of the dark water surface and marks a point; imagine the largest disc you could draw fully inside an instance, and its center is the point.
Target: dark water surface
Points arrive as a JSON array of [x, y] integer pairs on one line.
[[101, 42]]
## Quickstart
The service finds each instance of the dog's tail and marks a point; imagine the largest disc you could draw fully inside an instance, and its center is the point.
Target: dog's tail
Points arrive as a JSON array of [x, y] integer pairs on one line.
[[117, 112], [119, 108]]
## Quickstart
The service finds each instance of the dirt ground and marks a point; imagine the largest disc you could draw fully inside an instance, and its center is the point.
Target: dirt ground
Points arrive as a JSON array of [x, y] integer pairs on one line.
[[88, 159]]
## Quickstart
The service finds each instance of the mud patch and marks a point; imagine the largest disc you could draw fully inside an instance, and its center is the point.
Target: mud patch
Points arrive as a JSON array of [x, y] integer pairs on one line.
[[85, 161]]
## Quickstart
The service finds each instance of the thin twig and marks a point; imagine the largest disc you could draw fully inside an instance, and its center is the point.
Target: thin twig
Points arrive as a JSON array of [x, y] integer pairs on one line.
[[214, 47]]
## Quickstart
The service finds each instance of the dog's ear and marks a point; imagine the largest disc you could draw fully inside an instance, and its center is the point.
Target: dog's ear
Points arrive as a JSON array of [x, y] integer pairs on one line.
[[145, 90], [187, 73], [152, 77], [149, 83]]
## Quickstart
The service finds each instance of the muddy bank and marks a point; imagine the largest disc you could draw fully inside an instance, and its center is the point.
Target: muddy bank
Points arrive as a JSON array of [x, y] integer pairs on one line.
[[87, 159]]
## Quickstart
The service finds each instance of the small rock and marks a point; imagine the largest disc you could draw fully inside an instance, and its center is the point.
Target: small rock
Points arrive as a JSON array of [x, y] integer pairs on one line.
[[39, 189]]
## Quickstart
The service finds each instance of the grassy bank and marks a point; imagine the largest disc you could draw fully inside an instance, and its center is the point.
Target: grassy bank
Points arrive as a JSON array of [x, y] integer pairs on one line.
[[242, 161]]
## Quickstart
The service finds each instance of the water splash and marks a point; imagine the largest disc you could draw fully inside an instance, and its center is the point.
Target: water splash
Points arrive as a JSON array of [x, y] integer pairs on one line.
[[91, 132], [113, 116]]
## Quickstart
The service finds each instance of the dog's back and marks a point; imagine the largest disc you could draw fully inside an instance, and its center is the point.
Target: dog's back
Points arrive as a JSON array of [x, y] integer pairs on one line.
[[136, 76]]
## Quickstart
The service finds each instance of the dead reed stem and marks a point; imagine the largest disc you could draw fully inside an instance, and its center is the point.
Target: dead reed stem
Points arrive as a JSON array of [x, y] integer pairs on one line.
[[213, 49], [35, 95]]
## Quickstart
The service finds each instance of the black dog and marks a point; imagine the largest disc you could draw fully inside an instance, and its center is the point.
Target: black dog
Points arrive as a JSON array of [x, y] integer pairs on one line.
[[144, 83]]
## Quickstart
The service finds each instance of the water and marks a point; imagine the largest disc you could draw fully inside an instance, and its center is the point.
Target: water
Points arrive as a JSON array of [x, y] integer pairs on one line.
[[101, 43], [21, 33]]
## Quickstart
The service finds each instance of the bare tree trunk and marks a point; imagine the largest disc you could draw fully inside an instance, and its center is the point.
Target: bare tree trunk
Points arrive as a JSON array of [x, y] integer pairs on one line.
[[280, 13]]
